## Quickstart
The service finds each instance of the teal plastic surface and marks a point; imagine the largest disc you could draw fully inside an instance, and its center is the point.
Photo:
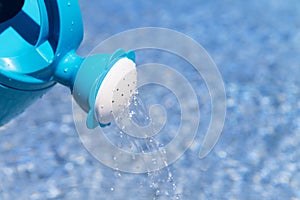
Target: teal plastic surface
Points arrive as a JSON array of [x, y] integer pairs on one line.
[[14, 102]]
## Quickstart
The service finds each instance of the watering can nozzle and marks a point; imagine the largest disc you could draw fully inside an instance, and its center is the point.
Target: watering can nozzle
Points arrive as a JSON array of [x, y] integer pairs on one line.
[[116, 90], [104, 86]]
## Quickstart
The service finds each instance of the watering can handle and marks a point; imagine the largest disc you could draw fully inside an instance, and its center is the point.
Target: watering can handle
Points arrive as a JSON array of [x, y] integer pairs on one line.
[[44, 23]]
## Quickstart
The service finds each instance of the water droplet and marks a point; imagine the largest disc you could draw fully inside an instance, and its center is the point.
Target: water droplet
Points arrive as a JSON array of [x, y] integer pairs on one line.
[[66, 70], [120, 145], [174, 186], [69, 3], [157, 193], [112, 189], [118, 174], [133, 157], [154, 161]]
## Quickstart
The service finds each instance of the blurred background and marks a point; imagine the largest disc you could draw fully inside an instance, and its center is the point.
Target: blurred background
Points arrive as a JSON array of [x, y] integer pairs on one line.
[[256, 46]]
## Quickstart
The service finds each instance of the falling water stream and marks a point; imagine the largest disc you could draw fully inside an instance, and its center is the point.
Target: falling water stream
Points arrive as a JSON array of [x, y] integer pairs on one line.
[[160, 181]]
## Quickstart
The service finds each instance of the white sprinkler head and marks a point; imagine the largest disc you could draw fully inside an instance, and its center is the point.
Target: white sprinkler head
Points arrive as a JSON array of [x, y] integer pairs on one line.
[[116, 90]]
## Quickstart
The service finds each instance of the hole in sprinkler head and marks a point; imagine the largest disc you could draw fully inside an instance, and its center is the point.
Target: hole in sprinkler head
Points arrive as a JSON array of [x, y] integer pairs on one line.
[[113, 101], [122, 94]]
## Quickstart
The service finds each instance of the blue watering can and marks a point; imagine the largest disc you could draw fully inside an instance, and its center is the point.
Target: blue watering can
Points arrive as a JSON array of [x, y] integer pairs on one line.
[[38, 40]]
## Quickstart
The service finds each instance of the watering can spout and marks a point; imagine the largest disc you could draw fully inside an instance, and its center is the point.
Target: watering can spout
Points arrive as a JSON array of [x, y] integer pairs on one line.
[[95, 80], [67, 68]]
